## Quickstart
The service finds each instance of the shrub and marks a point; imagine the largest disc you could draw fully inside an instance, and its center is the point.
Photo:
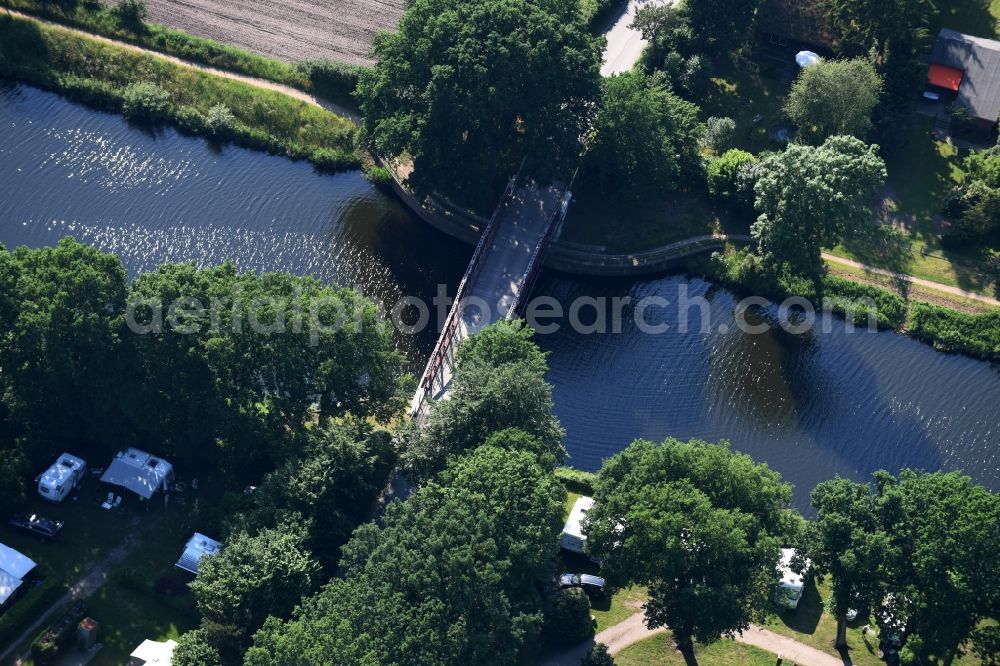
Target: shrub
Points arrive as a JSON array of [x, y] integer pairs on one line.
[[190, 119], [378, 175], [130, 13], [145, 100], [576, 480], [567, 621], [855, 301], [330, 78], [194, 649], [598, 655], [220, 121], [329, 159], [950, 330], [724, 171], [719, 133]]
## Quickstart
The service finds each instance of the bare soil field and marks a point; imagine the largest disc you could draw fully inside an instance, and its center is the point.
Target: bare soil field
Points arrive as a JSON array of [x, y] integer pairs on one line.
[[289, 30]]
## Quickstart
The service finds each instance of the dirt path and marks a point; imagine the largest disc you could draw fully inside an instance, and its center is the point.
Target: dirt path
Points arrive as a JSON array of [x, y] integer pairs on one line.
[[242, 78], [633, 629], [92, 581], [930, 284]]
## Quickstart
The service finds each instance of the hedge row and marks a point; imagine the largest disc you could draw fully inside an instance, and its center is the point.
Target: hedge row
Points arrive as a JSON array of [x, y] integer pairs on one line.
[[111, 78], [576, 480], [949, 330]]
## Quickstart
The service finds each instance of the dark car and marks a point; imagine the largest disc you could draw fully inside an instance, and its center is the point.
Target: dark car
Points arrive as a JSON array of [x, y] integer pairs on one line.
[[592, 585], [39, 526]]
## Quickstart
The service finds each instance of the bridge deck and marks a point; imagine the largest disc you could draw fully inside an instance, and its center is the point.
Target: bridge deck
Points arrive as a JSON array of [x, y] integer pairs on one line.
[[500, 280]]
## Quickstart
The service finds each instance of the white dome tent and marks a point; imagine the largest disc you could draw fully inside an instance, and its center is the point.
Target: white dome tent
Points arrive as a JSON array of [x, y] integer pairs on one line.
[[807, 59]]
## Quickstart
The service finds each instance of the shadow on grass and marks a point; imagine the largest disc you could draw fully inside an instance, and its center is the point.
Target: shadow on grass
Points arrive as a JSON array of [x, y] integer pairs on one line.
[[805, 618]]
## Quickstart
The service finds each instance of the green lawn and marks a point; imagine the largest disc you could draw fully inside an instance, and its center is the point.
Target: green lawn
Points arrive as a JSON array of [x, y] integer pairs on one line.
[[745, 91], [89, 534], [659, 650]]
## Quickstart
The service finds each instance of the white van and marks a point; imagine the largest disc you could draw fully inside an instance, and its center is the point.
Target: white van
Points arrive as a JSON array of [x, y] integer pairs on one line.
[[64, 475], [789, 591]]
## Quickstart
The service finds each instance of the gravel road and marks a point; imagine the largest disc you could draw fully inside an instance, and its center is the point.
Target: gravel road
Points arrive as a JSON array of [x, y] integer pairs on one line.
[[289, 30]]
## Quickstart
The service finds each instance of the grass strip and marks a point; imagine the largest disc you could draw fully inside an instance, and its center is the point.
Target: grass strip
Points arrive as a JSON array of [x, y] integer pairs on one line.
[[113, 78]]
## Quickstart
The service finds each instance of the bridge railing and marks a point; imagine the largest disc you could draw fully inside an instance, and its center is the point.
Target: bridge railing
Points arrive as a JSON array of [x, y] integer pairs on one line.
[[537, 257], [450, 332]]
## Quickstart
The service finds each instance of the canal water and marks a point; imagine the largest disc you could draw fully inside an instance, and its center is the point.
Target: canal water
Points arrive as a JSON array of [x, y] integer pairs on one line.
[[812, 406]]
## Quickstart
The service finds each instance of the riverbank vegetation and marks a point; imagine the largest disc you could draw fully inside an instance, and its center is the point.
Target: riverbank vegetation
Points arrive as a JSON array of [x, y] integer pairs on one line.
[[151, 89]]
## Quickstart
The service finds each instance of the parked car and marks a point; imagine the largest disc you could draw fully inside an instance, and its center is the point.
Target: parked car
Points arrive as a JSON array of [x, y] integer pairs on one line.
[[39, 526], [592, 585]]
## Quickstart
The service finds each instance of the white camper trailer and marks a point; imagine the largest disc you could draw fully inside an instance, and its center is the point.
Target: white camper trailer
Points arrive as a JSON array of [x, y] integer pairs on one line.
[[789, 591], [65, 474], [142, 473], [573, 538]]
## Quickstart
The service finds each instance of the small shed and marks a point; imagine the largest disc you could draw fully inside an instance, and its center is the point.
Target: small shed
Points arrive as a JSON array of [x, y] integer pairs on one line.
[[198, 547], [153, 652], [142, 473]]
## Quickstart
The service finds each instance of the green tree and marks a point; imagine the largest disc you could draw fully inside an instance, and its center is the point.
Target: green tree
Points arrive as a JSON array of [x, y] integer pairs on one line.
[[444, 582], [722, 24], [338, 472], [645, 138], [598, 655], [194, 649], [567, 621], [242, 359], [847, 542], [699, 525], [253, 577], [63, 310], [885, 26], [945, 535], [809, 198], [724, 171], [834, 97], [663, 26], [469, 88], [499, 383]]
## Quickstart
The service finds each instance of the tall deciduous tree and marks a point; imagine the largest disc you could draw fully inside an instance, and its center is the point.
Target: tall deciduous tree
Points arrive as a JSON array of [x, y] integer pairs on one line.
[[847, 542], [885, 26], [809, 198], [451, 579], [834, 97], [722, 24], [255, 576], [499, 383], [945, 534], [646, 137], [469, 88], [699, 525]]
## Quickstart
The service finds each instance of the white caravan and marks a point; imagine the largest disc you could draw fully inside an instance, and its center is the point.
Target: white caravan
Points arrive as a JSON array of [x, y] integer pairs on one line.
[[789, 591], [65, 474]]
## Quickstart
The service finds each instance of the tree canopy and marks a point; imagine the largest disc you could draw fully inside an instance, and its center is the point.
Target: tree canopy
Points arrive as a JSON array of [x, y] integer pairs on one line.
[[722, 24], [699, 525], [808, 198], [834, 97], [846, 541], [469, 88], [645, 137], [452, 578], [498, 384]]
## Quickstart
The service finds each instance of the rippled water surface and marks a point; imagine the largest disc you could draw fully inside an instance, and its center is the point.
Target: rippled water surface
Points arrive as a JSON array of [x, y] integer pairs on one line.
[[814, 406], [152, 196]]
